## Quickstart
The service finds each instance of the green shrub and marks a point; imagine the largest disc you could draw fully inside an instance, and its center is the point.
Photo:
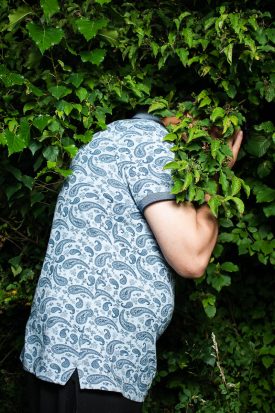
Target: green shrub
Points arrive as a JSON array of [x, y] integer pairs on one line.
[[68, 68]]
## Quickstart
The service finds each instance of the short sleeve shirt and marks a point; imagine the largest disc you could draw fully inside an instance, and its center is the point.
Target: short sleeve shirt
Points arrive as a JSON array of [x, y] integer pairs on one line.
[[105, 293]]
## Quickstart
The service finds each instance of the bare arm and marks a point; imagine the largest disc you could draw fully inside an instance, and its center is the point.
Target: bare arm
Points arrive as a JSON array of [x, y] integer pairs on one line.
[[186, 235]]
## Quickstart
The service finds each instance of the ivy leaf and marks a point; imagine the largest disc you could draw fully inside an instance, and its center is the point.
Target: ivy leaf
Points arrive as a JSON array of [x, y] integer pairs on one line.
[[71, 150], [95, 56], [44, 37], [15, 142], [50, 7], [40, 122], [89, 28], [51, 153], [59, 91]]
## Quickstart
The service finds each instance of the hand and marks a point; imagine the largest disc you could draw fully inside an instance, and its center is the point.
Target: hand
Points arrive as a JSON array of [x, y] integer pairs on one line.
[[234, 144]]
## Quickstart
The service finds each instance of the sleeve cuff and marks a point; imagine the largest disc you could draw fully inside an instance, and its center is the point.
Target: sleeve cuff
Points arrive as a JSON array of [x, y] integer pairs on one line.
[[154, 197]]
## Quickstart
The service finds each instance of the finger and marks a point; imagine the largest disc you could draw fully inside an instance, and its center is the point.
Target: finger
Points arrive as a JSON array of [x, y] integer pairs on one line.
[[237, 143]]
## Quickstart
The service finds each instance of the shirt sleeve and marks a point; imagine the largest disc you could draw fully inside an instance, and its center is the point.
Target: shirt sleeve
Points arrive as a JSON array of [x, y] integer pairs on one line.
[[147, 181]]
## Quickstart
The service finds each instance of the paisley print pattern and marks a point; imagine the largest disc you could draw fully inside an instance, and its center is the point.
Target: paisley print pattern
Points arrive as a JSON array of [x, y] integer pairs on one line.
[[105, 293]]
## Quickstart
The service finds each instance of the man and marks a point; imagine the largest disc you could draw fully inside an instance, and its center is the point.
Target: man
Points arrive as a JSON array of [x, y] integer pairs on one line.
[[106, 290]]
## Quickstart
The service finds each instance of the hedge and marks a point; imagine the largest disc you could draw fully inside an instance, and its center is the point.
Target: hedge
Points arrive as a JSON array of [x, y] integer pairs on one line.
[[67, 69]]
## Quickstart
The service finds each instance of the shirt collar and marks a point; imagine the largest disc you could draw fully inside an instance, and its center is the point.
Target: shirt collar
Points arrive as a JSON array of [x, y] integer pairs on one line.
[[147, 116]]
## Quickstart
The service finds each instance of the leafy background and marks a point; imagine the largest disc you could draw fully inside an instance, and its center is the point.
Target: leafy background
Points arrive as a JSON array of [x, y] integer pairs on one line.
[[68, 68]]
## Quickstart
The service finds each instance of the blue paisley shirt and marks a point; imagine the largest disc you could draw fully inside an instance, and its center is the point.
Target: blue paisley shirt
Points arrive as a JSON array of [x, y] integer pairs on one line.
[[105, 293]]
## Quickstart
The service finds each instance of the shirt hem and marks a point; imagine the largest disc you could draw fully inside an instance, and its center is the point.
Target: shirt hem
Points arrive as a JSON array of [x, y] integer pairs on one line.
[[94, 386]]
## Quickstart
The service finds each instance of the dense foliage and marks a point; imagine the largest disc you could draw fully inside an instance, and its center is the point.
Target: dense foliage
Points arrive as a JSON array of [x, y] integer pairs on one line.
[[68, 68]]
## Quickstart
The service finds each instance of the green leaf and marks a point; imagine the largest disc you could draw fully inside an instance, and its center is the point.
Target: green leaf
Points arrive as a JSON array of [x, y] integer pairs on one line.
[[224, 182], [17, 15], [75, 79], [170, 137], [183, 55], [103, 1], [269, 210], [159, 104], [50, 7], [267, 127], [228, 50], [187, 180], [40, 122], [28, 106], [188, 36], [229, 88], [65, 107], [238, 202], [214, 204], [176, 165], [35, 90], [229, 266], [209, 305], [264, 169], [59, 91], [177, 187], [71, 150], [96, 56], [81, 93], [14, 143], [217, 113], [10, 78], [246, 188], [218, 281], [44, 37], [215, 145], [235, 185], [257, 145], [267, 361], [11, 190], [264, 194], [89, 28], [51, 153]]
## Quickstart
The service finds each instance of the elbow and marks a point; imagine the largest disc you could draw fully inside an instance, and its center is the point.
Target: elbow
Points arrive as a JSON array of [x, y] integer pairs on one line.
[[195, 268]]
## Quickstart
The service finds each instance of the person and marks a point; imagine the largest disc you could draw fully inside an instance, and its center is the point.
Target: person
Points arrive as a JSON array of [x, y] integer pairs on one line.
[[106, 289]]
